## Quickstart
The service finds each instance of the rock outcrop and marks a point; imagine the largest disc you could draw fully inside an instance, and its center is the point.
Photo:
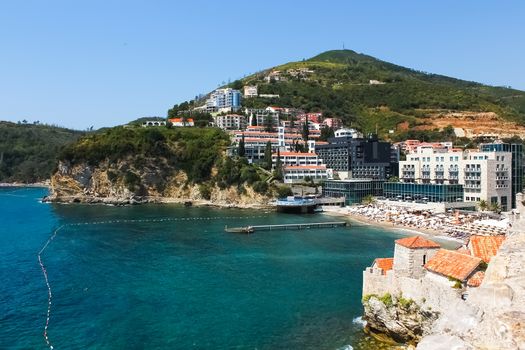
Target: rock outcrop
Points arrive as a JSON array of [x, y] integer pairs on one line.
[[122, 183], [402, 320]]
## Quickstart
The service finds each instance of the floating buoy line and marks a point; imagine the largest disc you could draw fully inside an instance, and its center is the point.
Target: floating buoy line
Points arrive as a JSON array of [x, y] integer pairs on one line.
[[55, 232]]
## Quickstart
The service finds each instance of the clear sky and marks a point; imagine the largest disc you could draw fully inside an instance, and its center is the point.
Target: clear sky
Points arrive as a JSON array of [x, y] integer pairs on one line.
[[103, 63]]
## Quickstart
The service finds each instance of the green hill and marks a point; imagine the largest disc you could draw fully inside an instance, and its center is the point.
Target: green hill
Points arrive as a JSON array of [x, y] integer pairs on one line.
[[28, 152], [149, 162], [338, 83]]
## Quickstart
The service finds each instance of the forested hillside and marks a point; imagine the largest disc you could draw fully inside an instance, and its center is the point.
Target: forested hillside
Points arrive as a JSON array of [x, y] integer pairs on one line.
[[369, 93], [28, 152]]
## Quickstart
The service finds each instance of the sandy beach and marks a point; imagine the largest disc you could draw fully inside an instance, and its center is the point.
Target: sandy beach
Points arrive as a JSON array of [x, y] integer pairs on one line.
[[343, 212]]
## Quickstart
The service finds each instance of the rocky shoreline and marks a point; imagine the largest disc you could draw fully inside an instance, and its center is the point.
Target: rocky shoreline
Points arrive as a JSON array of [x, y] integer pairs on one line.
[[136, 200]]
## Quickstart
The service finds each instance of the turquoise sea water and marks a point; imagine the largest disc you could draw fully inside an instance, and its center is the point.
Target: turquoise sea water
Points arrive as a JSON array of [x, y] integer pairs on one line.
[[178, 284]]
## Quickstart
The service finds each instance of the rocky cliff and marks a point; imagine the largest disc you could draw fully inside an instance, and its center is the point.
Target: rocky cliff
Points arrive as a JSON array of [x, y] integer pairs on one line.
[[400, 319], [123, 182]]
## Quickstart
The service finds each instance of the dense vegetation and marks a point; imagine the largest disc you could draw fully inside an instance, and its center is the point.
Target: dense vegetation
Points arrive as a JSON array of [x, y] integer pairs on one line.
[[199, 152], [339, 86], [28, 152], [193, 150]]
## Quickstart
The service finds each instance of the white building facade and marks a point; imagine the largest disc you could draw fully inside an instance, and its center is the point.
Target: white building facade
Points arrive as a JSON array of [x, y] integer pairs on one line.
[[231, 122], [484, 175], [250, 91], [224, 99]]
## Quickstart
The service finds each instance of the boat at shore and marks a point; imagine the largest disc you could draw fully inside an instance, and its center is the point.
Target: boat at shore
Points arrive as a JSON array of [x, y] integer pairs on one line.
[[296, 205]]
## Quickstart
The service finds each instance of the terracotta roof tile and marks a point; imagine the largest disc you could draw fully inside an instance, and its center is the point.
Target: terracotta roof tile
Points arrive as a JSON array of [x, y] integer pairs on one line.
[[463, 250], [476, 279], [417, 242], [485, 247], [384, 263], [450, 263]]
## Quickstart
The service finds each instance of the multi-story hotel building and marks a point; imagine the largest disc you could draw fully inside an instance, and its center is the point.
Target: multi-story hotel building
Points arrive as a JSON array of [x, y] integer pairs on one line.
[[298, 166], [224, 99], [517, 163], [231, 122], [358, 158], [484, 175]]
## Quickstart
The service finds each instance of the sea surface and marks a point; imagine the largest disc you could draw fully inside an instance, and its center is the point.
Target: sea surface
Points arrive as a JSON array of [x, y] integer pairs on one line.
[[169, 277]]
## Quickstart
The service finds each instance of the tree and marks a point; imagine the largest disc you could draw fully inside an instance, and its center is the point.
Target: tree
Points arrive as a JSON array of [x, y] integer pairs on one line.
[[237, 85], [267, 161], [393, 179], [368, 199], [268, 123], [279, 173], [306, 131], [241, 149], [326, 133], [495, 207], [482, 205], [254, 120]]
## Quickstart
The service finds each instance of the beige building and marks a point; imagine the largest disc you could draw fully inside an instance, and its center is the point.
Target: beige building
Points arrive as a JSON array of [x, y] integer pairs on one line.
[[484, 175], [231, 122], [250, 91]]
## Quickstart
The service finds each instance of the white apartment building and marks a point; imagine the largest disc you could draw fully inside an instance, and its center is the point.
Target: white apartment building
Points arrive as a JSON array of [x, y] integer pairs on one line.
[[297, 158], [250, 91], [300, 173], [224, 99], [344, 132], [484, 175], [231, 122], [298, 166]]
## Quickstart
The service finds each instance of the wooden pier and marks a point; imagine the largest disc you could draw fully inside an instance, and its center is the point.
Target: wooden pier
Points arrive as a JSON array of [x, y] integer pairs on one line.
[[313, 225]]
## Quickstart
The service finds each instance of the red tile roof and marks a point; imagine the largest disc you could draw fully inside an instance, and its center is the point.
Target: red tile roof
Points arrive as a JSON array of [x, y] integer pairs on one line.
[[417, 242], [179, 120], [463, 250], [384, 263], [485, 247], [450, 263], [476, 279]]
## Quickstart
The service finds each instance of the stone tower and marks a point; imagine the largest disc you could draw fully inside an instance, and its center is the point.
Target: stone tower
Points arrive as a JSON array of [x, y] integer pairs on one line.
[[411, 254]]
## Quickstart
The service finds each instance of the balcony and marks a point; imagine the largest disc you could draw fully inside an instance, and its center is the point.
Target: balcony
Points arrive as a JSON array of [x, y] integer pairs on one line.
[[440, 176], [472, 170], [472, 186], [502, 186], [502, 177], [477, 177]]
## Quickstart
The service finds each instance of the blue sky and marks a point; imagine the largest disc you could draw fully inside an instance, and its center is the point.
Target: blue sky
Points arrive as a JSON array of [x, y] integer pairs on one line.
[[104, 63]]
